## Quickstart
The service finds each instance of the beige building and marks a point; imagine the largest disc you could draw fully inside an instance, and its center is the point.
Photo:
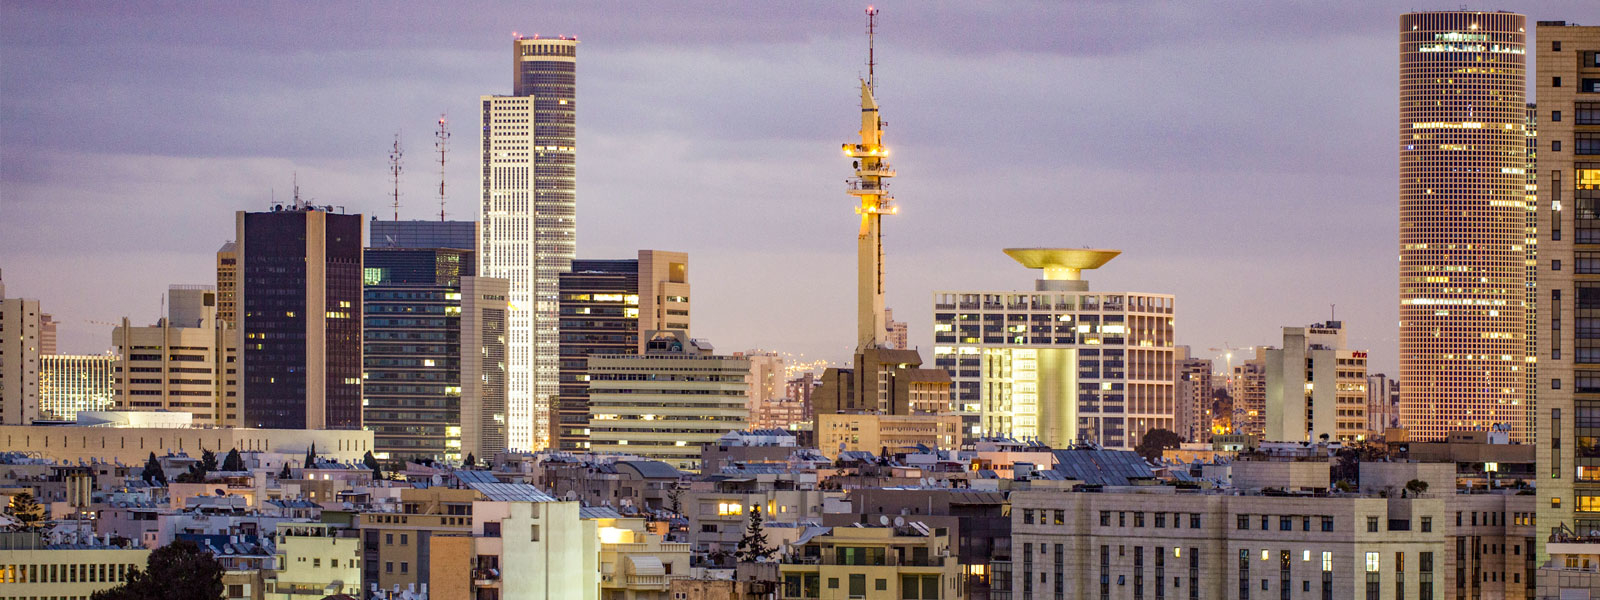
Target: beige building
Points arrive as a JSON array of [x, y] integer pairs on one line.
[[868, 432], [1192, 397], [31, 568], [897, 561], [666, 403], [1315, 386], [315, 560], [69, 384], [1569, 278], [227, 292], [397, 547], [1248, 388], [19, 359], [898, 335], [132, 445], [1463, 215], [767, 382], [636, 563], [187, 362]]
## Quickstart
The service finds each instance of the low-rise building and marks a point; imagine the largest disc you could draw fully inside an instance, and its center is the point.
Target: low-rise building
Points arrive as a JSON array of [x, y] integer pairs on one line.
[[315, 560], [33, 567], [910, 560]]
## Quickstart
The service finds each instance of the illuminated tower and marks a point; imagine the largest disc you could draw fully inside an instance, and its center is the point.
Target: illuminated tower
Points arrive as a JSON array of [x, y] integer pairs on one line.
[[870, 185], [528, 210], [1463, 110]]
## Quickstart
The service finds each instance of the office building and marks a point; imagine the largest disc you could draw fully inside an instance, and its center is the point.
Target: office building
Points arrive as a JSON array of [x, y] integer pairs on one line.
[[528, 214], [604, 306], [1530, 303], [227, 278], [1316, 389], [1060, 364], [1383, 403], [460, 235], [47, 334], [1192, 396], [69, 384], [298, 288], [19, 359], [187, 362], [1463, 114], [667, 402], [1568, 88], [434, 352]]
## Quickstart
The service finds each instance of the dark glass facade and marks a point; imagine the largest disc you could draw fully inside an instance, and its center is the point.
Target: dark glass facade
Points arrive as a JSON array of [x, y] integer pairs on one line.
[[599, 315], [412, 324]]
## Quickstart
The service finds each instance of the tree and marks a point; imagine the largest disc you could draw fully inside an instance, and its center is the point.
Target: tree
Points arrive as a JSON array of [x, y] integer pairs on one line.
[[675, 499], [1417, 486], [285, 474], [177, 571], [371, 462], [471, 462], [208, 461], [1155, 441], [152, 471], [753, 546], [26, 511], [233, 462], [311, 456]]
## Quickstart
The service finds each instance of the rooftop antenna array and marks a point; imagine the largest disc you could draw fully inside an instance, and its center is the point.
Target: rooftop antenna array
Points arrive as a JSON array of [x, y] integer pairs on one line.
[[441, 142], [872, 28], [394, 170]]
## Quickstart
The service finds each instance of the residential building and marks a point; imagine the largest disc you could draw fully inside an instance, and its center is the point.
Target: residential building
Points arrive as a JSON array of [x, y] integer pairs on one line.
[[528, 212], [397, 546], [1569, 288], [668, 402], [909, 560], [47, 334], [604, 306], [315, 560], [459, 235], [1383, 403], [1316, 389], [19, 359], [767, 383], [434, 345], [299, 310], [70, 383], [187, 362], [1192, 396], [1061, 364], [897, 334], [1463, 115], [1248, 388], [978, 523], [635, 562], [32, 567]]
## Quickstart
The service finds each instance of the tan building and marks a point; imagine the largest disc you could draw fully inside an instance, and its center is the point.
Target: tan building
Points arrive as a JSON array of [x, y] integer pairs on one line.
[[187, 362], [1192, 396], [1248, 388], [636, 563], [132, 445], [898, 335], [767, 383], [1462, 146], [31, 568], [69, 384], [19, 359], [396, 545], [227, 292], [1569, 242], [315, 560], [897, 561], [668, 402], [868, 432], [1315, 386]]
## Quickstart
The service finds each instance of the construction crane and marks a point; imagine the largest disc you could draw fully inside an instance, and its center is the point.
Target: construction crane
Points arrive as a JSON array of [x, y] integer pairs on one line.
[[1227, 351]]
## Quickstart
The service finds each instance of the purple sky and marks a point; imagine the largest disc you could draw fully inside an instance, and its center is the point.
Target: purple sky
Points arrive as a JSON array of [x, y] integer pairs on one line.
[[1243, 160]]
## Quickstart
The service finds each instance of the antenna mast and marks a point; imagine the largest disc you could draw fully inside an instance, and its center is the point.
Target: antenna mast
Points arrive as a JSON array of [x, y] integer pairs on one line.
[[394, 169], [872, 27], [441, 140]]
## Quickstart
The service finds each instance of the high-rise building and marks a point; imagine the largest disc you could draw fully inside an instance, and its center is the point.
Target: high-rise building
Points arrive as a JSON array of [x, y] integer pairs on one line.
[[69, 384], [1248, 388], [1060, 363], [528, 213], [19, 359], [1316, 387], [1192, 396], [767, 383], [665, 403], [898, 335], [227, 278], [1568, 434], [460, 235], [47, 334], [186, 362], [434, 349], [1463, 114], [604, 306], [1530, 304], [298, 288], [1383, 403]]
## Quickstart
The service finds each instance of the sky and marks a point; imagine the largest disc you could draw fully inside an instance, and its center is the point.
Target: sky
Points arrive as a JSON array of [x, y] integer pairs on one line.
[[1242, 155]]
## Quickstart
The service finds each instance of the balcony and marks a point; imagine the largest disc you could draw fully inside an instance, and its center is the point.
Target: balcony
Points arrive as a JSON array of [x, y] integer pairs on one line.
[[889, 561], [485, 576]]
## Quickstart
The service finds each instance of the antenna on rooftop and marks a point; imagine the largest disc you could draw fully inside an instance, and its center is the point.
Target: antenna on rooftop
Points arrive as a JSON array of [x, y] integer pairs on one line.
[[872, 28], [441, 140], [394, 170]]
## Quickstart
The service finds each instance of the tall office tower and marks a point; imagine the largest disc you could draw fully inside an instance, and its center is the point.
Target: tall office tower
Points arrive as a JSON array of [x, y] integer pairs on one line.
[[461, 235], [227, 278], [1060, 363], [1530, 304], [1463, 111], [1383, 403], [665, 403], [19, 359], [186, 362], [528, 212], [434, 352], [604, 306], [1316, 387], [1568, 87], [47, 334], [1248, 388], [299, 308], [69, 384], [1192, 396], [898, 335]]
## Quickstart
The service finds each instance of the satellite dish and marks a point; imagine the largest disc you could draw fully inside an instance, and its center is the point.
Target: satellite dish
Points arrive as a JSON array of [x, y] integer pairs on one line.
[[883, 520], [899, 522]]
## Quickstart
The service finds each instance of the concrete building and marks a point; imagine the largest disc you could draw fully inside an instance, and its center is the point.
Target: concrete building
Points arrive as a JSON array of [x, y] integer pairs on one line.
[[871, 432], [1061, 364], [896, 561], [767, 382], [1383, 403], [397, 549], [434, 350], [317, 560], [897, 334], [69, 384], [635, 562], [47, 334], [1192, 411], [1248, 388], [604, 306], [1315, 386], [19, 359], [227, 280], [529, 214], [299, 311], [31, 567], [668, 402], [187, 362], [131, 445], [1462, 185], [1569, 287]]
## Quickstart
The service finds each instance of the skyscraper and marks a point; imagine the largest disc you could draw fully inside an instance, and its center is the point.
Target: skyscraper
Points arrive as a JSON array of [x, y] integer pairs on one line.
[[1463, 110], [298, 286], [528, 216]]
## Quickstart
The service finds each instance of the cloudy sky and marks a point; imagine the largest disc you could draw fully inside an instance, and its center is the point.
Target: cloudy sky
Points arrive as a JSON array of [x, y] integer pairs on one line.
[[1242, 155]]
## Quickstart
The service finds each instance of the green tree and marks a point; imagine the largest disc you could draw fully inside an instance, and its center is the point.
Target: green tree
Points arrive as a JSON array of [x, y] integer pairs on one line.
[[471, 462], [753, 546], [1417, 486], [285, 474], [177, 571], [26, 511], [152, 471], [233, 462], [1155, 441], [208, 461], [371, 462], [311, 456]]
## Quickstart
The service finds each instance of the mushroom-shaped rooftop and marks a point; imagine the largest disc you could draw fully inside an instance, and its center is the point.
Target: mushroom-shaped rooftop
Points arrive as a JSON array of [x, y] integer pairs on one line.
[[1062, 263]]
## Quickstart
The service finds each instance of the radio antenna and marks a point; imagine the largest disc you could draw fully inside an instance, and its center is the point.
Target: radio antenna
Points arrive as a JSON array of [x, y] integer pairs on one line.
[[441, 140], [394, 169]]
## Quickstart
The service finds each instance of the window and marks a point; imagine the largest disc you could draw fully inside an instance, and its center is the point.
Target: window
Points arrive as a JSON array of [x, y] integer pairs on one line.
[[1327, 523], [1427, 524], [1105, 518], [316, 563], [1027, 516], [1161, 520], [1555, 46], [535, 534], [858, 584], [1372, 524], [405, 567], [833, 583], [1244, 522], [1555, 82], [388, 539], [404, 539], [880, 585], [1285, 524], [388, 567], [491, 529], [1555, 145], [1061, 517], [1264, 520], [1194, 520], [1138, 519], [1372, 562], [1555, 116]]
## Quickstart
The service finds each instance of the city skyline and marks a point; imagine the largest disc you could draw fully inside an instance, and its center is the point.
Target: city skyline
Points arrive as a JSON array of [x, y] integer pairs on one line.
[[771, 263]]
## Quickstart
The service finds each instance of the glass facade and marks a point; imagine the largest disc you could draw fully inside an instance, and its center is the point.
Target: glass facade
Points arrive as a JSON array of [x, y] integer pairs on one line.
[[599, 316], [413, 351], [68, 384]]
